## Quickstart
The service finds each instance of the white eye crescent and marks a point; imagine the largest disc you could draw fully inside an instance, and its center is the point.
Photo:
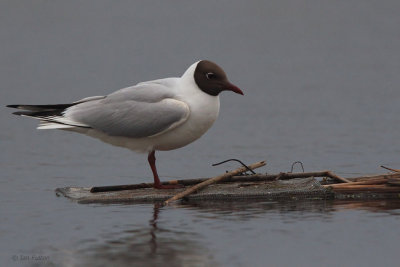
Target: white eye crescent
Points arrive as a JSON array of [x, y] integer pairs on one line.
[[210, 75]]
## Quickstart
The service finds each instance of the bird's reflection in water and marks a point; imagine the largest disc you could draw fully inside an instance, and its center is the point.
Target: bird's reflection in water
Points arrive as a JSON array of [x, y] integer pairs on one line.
[[153, 228], [152, 245]]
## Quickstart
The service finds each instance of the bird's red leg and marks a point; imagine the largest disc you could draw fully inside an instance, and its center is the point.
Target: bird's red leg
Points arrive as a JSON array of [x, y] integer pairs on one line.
[[157, 184]]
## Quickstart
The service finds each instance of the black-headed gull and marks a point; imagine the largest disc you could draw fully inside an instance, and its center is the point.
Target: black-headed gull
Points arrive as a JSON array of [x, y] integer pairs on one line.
[[162, 114]]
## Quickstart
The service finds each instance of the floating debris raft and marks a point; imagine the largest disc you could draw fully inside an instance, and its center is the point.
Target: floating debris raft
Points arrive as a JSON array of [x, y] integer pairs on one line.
[[231, 186], [301, 188]]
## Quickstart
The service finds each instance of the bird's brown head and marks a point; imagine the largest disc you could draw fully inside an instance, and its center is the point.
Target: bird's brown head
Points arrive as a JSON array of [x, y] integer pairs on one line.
[[211, 79]]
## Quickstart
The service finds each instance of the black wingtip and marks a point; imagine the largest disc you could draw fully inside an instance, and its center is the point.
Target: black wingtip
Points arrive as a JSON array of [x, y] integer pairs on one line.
[[12, 106]]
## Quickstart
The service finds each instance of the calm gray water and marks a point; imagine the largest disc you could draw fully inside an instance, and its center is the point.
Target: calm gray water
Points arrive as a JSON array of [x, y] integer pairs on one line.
[[322, 85]]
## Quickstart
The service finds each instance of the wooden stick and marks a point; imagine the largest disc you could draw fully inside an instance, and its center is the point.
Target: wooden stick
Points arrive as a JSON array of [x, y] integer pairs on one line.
[[379, 176], [218, 178], [390, 169], [370, 188], [334, 176], [365, 182], [286, 176], [394, 181], [97, 189]]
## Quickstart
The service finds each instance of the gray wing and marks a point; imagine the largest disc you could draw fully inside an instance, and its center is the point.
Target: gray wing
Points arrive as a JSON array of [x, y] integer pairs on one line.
[[140, 111]]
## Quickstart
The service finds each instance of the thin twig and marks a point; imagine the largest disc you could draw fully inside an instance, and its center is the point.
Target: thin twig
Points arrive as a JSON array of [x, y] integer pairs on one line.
[[390, 169]]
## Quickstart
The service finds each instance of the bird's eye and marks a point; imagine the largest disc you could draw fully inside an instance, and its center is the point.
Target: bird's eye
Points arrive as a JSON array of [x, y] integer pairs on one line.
[[210, 75]]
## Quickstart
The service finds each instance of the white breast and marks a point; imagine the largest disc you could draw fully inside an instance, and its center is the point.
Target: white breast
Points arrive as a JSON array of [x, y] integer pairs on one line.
[[203, 114], [204, 110]]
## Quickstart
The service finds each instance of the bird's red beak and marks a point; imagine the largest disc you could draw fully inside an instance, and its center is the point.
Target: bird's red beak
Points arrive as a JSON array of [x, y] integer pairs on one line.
[[233, 88]]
